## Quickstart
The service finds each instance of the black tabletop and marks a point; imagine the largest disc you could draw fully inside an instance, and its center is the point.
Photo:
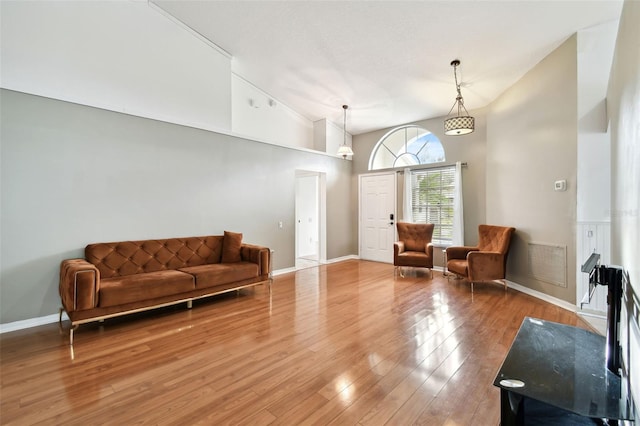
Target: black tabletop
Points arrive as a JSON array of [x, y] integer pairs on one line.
[[565, 367]]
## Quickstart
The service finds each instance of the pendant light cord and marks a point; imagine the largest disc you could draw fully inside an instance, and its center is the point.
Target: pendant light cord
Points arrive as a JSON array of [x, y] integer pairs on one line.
[[459, 100], [344, 107]]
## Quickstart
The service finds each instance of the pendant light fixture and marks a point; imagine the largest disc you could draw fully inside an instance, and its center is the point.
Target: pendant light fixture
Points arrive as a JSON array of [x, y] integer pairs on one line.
[[458, 124], [345, 150]]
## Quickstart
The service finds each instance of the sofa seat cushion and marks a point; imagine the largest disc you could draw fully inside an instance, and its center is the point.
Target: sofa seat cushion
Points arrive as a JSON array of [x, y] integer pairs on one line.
[[151, 285], [222, 273]]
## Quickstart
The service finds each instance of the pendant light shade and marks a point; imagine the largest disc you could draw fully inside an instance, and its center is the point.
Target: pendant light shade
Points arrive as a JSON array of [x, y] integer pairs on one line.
[[345, 150], [461, 123]]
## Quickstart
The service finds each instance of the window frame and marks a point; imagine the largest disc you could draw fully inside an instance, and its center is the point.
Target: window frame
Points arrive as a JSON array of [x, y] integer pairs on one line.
[[381, 147], [425, 211]]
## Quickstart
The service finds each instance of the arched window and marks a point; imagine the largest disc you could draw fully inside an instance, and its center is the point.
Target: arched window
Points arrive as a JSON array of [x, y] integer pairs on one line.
[[406, 146]]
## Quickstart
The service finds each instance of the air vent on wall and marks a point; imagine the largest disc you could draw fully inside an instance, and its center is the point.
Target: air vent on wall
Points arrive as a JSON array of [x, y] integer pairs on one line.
[[548, 263]]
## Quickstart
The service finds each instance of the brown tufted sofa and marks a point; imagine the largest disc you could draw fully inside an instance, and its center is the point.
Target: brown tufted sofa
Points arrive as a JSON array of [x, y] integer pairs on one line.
[[131, 276]]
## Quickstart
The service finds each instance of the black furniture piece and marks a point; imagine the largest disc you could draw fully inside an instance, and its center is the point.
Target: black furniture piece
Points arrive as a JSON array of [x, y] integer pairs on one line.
[[556, 374]]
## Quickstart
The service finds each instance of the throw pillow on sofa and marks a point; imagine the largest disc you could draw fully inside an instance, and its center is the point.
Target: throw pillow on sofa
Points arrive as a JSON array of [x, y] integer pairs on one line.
[[231, 247]]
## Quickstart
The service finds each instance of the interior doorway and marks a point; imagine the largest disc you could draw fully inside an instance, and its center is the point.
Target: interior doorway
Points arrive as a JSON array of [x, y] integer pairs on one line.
[[310, 219]]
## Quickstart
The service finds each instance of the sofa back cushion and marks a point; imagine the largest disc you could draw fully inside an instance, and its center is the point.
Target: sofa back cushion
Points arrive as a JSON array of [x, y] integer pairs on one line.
[[231, 246], [136, 257]]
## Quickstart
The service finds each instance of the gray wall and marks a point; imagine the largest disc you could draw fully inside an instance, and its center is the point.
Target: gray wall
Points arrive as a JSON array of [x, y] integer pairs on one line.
[[468, 148], [73, 175], [532, 142]]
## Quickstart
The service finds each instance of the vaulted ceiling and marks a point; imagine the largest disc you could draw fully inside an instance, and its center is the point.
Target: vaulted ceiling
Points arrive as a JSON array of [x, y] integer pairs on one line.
[[388, 60]]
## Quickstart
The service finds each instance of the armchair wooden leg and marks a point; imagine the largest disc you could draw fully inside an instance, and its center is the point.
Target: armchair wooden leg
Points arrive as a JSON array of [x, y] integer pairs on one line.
[[71, 331]]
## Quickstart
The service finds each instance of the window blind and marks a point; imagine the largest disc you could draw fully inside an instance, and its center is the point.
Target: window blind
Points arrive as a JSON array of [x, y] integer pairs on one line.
[[432, 200]]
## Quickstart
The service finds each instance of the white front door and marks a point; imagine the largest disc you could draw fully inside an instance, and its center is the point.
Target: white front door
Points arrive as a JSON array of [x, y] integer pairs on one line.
[[377, 216]]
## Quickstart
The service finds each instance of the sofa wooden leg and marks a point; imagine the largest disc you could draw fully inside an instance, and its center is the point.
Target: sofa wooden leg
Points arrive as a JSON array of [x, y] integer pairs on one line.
[[270, 296], [71, 330], [60, 320]]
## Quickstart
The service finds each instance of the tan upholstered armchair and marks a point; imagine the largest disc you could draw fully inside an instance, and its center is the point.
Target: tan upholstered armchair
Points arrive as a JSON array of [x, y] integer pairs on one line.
[[485, 262], [414, 248]]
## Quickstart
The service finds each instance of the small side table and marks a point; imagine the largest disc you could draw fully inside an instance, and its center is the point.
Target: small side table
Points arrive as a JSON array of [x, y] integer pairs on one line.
[[444, 267]]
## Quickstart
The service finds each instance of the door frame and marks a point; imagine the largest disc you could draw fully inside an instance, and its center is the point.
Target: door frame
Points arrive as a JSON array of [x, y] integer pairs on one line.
[[322, 212], [395, 204]]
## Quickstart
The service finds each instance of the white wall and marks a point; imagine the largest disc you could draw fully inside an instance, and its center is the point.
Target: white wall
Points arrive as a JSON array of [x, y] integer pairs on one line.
[[119, 55], [623, 106], [259, 116], [595, 53]]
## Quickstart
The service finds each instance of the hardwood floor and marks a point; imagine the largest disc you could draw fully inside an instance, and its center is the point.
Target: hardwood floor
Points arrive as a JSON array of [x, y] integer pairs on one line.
[[345, 344]]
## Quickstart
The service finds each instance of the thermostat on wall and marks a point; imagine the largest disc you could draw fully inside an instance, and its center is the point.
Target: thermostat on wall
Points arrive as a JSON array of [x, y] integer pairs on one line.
[[560, 185]]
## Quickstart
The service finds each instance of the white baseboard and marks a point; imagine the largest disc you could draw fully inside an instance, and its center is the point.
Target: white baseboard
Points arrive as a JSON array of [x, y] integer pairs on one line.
[[553, 300], [283, 271], [343, 258], [596, 322], [48, 319], [326, 262], [32, 322]]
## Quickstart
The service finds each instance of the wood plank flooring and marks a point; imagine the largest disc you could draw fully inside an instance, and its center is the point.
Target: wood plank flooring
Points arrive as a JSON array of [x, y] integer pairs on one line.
[[344, 344]]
